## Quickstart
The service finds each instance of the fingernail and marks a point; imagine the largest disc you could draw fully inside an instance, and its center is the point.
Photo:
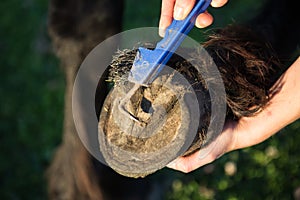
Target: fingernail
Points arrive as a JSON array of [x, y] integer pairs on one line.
[[218, 3], [161, 28], [162, 32], [172, 164], [178, 13], [201, 24]]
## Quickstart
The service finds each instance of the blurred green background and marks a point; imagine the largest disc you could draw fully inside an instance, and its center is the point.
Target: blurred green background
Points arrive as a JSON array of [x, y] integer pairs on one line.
[[31, 114]]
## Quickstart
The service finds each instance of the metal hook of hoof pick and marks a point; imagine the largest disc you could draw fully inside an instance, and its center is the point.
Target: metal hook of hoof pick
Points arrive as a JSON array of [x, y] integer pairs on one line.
[[148, 63], [123, 101]]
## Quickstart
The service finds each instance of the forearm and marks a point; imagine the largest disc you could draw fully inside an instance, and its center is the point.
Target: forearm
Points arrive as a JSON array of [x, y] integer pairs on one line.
[[283, 109]]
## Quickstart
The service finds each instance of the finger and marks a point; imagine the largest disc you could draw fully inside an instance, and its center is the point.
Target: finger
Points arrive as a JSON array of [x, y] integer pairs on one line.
[[218, 3], [189, 163], [182, 8], [206, 155], [166, 15], [204, 19]]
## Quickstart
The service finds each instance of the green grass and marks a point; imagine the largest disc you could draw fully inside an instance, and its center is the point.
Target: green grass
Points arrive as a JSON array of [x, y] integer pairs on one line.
[[31, 99], [31, 114]]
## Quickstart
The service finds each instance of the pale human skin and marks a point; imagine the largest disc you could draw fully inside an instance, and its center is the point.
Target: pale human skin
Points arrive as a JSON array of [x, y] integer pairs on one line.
[[179, 9], [282, 110]]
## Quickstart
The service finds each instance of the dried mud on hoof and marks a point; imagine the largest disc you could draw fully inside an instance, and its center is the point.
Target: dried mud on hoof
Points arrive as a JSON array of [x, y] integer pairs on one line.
[[161, 132]]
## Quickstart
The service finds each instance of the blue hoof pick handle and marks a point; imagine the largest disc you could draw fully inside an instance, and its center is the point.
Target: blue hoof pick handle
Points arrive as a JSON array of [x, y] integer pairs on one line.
[[148, 63]]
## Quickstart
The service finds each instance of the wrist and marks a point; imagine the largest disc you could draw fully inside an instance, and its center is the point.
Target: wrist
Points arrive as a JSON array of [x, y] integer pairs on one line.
[[231, 135]]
